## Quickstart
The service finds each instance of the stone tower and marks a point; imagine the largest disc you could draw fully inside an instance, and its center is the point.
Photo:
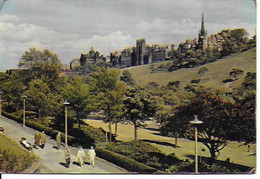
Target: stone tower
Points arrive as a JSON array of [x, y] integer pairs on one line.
[[202, 39], [140, 51]]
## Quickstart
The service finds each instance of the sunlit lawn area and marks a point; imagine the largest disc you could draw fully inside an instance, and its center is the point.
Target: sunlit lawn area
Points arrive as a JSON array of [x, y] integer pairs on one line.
[[17, 159], [237, 155]]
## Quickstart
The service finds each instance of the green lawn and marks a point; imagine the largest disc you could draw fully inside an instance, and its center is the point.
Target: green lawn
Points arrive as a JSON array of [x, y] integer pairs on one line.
[[217, 72], [237, 155], [16, 159]]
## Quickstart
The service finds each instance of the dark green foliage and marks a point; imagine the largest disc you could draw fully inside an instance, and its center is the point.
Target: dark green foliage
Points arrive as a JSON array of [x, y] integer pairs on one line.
[[124, 162], [139, 105], [127, 78], [233, 41], [85, 137], [250, 81], [13, 163], [173, 84], [144, 153], [195, 81], [77, 94], [202, 71]]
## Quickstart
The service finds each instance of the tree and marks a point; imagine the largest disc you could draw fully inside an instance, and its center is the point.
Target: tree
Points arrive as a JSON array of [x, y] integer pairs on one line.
[[116, 101], [244, 117], [77, 94], [139, 106], [13, 88], [127, 78], [107, 90], [214, 110], [42, 64], [40, 99]]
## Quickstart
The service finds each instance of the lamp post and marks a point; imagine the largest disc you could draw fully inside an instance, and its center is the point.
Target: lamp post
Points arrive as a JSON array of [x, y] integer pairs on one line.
[[196, 122], [24, 97], [1, 103], [66, 103]]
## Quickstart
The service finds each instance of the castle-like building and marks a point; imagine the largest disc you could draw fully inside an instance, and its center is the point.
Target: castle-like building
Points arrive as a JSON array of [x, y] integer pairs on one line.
[[141, 54], [144, 53], [91, 57]]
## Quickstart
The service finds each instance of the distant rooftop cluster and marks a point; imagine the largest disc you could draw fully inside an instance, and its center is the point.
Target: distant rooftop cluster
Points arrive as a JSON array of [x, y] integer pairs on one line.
[[144, 53]]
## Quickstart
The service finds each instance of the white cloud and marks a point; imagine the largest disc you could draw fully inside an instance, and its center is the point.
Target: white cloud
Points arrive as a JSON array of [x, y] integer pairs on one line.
[[16, 38], [72, 27], [106, 43], [10, 18]]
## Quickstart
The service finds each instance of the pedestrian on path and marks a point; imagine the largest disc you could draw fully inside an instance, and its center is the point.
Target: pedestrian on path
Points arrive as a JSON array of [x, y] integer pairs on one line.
[[43, 139], [67, 156], [81, 156], [37, 139], [92, 155], [58, 140]]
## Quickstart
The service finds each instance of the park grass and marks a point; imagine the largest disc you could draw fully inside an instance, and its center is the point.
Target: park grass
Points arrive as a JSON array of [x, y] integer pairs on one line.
[[15, 158], [185, 150], [217, 72]]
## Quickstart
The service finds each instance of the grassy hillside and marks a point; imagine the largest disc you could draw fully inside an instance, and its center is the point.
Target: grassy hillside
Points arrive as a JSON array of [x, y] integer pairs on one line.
[[217, 72], [235, 151]]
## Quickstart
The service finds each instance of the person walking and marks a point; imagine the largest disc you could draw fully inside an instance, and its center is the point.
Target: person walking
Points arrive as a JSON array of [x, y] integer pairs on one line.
[[37, 139], [58, 140], [67, 156], [81, 156], [92, 155], [43, 139]]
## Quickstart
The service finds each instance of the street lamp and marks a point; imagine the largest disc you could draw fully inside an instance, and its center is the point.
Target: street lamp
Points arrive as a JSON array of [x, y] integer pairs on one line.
[[1, 103], [196, 122], [66, 103], [24, 96]]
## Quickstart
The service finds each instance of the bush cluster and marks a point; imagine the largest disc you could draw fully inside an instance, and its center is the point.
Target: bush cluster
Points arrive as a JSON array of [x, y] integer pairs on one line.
[[13, 158], [124, 162], [145, 153]]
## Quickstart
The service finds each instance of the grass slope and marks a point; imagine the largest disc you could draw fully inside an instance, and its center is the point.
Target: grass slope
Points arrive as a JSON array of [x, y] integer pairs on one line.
[[217, 72], [16, 159], [237, 154]]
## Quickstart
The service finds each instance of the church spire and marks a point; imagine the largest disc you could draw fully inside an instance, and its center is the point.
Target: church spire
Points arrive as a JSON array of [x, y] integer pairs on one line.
[[202, 25]]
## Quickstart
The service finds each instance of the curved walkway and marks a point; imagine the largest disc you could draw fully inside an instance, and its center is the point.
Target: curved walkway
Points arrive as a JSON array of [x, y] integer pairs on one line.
[[52, 160]]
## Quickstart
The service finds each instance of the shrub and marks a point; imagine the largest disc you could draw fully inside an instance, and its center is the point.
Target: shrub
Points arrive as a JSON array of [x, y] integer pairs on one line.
[[13, 158], [144, 153], [124, 162], [202, 71]]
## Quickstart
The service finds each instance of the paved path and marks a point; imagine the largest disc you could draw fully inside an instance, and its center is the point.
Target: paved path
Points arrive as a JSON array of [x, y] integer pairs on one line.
[[51, 159]]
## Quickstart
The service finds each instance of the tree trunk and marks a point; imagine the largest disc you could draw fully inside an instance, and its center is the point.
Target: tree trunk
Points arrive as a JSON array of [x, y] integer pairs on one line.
[[116, 129], [212, 156], [79, 124], [110, 130], [176, 138], [135, 131]]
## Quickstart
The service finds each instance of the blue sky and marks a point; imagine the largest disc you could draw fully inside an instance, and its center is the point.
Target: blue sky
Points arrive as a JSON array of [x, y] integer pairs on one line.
[[71, 27]]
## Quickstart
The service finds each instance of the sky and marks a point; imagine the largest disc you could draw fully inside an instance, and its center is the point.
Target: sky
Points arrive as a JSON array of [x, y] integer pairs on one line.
[[71, 27]]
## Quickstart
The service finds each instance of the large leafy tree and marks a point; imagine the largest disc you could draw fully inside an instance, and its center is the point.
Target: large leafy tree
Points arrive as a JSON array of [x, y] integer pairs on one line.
[[77, 94], [108, 91], [139, 106], [214, 109], [13, 88], [40, 99], [42, 64]]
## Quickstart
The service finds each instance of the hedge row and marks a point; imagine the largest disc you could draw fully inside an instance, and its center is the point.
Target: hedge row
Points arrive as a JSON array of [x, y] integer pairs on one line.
[[124, 162], [39, 127]]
